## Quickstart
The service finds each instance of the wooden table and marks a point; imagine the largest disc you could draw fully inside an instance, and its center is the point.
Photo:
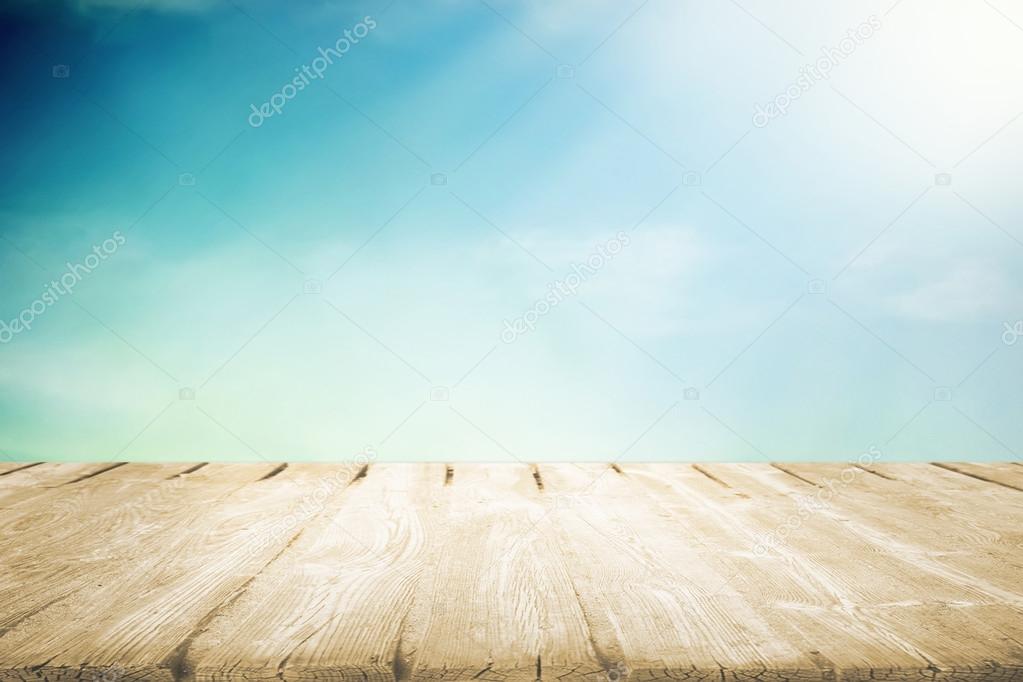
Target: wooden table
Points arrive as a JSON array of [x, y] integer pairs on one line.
[[717, 572]]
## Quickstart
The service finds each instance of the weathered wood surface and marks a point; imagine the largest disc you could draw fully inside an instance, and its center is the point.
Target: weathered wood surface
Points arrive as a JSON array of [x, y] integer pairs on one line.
[[502, 572]]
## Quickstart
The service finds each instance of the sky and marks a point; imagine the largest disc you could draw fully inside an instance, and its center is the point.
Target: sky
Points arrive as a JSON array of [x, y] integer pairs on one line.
[[492, 230]]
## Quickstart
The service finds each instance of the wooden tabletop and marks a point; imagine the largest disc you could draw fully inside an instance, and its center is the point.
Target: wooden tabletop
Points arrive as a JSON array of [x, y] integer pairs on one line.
[[394, 572]]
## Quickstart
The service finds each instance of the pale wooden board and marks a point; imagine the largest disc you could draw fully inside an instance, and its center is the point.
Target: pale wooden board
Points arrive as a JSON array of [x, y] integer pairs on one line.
[[93, 529], [497, 601], [10, 467], [333, 605], [1006, 474], [180, 565], [27, 483], [883, 581], [656, 601], [811, 599], [511, 572], [977, 543], [404, 535]]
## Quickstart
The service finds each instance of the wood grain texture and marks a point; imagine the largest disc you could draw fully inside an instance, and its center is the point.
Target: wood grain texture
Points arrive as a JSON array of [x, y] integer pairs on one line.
[[511, 572]]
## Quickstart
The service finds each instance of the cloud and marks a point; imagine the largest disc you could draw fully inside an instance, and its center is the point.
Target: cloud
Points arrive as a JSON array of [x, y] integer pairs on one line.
[[942, 263], [968, 291], [651, 285]]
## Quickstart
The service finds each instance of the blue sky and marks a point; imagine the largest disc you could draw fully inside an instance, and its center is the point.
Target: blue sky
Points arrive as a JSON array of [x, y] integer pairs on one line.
[[842, 275]]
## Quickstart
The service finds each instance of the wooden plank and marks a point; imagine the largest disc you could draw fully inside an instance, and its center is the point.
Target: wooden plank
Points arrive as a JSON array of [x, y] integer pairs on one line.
[[405, 537], [510, 573], [333, 606], [7, 468], [965, 501], [111, 488], [53, 548], [656, 605], [975, 542], [498, 602], [184, 572], [803, 603], [881, 580], [30, 482], [905, 568], [945, 484], [1007, 475]]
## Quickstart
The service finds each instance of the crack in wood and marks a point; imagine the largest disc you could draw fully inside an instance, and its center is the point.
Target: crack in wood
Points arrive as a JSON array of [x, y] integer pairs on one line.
[[709, 475], [273, 472], [399, 666], [177, 662], [537, 478], [93, 474], [979, 477], [21, 468], [875, 472], [795, 475], [189, 470]]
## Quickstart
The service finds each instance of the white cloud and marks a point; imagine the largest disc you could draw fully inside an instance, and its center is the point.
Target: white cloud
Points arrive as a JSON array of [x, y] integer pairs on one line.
[[653, 281], [967, 291]]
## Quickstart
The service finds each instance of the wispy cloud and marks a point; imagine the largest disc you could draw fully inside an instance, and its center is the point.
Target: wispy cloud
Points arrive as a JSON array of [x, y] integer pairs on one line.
[[965, 292]]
